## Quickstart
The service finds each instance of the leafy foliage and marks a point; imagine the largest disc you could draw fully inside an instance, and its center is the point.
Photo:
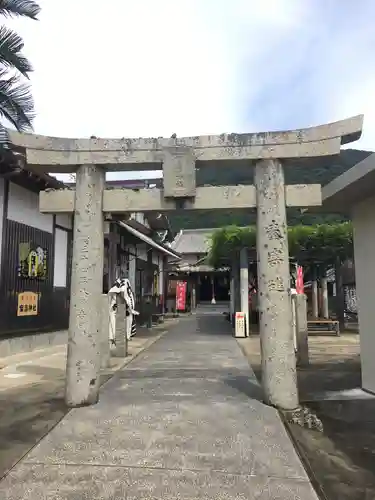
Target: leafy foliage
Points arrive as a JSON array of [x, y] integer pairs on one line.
[[307, 171], [16, 102], [228, 241], [24, 8], [321, 243], [315, 244], [11, 45]]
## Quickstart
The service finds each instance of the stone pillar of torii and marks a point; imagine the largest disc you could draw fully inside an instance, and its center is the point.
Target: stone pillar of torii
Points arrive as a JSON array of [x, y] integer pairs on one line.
[[178, 157]]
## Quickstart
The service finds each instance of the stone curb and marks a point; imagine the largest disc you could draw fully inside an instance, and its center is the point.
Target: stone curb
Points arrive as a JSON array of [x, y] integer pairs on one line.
[[304, 460], [130, 358]]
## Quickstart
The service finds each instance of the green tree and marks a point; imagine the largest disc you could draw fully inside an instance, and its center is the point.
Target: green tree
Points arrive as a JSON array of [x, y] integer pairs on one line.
[[320, 244], [16, 101], [313, 246]]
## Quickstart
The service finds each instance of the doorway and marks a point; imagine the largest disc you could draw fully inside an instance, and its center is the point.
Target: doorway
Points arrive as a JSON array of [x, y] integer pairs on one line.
[[217, 284]]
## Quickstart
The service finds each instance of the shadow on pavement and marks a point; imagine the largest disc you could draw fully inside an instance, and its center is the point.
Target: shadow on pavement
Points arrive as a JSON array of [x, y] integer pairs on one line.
[[26, 416], [249, 387], [342, 458]]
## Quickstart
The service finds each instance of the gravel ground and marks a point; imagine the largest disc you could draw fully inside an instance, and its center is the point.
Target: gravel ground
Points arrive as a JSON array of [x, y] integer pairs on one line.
[[341, 460]]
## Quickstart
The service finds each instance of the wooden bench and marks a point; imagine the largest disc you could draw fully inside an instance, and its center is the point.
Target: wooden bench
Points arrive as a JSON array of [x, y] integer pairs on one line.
[[323, 326]]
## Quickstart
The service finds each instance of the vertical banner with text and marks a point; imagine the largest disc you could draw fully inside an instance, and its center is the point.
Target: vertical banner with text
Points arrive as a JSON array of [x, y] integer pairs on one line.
[[181, 295]]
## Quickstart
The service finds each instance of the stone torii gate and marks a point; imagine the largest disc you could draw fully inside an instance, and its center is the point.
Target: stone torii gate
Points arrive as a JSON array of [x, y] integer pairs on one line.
[[177, 157]]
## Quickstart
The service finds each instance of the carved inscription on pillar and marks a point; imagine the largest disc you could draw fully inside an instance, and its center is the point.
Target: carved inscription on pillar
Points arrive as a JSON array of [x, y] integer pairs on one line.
[[275, 320], [275, 257], [83, 363], [179, 172]]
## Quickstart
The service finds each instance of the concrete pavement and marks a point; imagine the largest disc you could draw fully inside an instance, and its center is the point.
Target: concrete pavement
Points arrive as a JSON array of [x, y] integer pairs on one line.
[[184, 420], [32, 393]]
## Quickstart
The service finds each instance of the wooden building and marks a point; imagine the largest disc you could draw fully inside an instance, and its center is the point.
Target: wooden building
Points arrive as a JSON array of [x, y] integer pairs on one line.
[[209, 284], [36, 249]]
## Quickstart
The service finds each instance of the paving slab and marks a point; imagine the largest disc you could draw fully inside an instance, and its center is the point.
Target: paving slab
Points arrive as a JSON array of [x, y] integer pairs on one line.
[[184, 420], [32, 393]]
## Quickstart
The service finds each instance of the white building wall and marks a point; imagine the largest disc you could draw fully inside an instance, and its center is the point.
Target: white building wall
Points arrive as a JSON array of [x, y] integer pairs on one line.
[[60, 258], [23, 207], [64, 220], [363, 216], [161, 276]]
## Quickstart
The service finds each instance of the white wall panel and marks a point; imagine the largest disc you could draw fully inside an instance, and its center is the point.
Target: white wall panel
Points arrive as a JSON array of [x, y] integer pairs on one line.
[[60, 258], [64, 220], [23, 207], [363, 217]]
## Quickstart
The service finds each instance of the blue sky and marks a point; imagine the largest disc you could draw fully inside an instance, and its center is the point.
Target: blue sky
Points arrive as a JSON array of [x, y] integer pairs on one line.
[[152, 68]]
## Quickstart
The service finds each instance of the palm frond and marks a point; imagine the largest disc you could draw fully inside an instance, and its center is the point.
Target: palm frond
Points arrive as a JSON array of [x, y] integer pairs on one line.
[[24, 8], [16, 102], [11, 45]]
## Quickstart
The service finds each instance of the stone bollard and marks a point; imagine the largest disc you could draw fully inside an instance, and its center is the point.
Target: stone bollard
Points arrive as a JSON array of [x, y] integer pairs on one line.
[[148, 309], [302, 330], [104, 344], [121, 348]]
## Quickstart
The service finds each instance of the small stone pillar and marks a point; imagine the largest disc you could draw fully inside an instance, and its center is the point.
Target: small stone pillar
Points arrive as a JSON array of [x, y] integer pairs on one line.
[[193, 297], [165, 286], [314, 296], [236, 289], [325, 307], [340, 298], [160, 290], [148, 309], [302, 330], [161, 286], [104, 345], [231, 296], [121, 348], [279, 377], [85, 319], [213, 299], [244, 285]]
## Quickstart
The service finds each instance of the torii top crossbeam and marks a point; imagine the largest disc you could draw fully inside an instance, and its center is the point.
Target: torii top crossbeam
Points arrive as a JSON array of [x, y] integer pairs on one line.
[[62, 155]]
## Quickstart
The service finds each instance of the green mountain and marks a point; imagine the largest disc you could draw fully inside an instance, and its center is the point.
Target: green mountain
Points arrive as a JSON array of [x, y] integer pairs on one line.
[[307, 171]]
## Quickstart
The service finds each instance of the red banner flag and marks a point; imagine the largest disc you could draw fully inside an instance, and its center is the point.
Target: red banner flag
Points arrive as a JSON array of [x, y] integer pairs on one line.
[[300, 287], [181, 295]]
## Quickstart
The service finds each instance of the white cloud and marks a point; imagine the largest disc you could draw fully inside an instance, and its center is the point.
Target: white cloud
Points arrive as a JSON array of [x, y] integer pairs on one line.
[[134, 68], [152, 68]]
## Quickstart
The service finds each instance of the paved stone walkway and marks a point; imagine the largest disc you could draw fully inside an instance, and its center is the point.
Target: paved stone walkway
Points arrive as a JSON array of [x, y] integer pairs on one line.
[[183, 421], [32, 387]]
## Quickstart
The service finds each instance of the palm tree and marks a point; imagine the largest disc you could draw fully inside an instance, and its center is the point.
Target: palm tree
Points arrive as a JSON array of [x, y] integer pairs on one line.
[[16, 101]]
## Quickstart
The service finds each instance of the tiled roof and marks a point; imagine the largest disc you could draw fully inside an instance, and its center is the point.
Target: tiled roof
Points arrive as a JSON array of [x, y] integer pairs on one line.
[[203, 268], [192, 241]]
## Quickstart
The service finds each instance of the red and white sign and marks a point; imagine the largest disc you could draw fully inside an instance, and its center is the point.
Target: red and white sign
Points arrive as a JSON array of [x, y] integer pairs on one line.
[[300, 287], [240, 328], [181, 295]]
